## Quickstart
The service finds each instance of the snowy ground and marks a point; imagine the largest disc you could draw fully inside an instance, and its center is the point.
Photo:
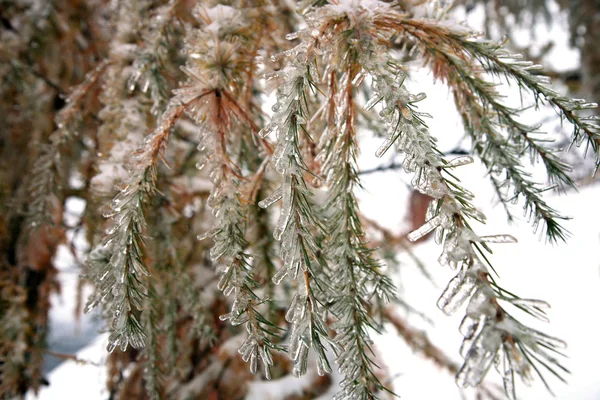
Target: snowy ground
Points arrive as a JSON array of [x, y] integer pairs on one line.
[[567, 275], [69, 330]]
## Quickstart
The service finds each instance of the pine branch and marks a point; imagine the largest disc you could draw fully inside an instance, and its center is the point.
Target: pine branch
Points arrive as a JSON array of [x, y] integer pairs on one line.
[[484, 117], [500, 61], [472, 81], [149, 67], [354, 272], [496, 60], [154, 373], [45, 186], [297, 219], [218, 70], [448, 215], [120, 278], [236, 279], [336, 283]]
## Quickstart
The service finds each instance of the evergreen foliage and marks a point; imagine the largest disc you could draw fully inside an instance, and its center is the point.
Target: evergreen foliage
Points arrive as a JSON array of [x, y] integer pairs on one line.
[[217, 227]]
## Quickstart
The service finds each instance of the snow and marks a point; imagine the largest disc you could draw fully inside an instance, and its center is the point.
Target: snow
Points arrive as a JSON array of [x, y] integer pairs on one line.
[[68, 335], [220, 16], [276, 389], [78, 381], [352, 7], [70, 331], [531, 269]]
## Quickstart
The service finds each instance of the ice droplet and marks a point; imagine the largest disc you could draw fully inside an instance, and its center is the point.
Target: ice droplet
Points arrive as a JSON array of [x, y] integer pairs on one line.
[[372, 102], [202, 163], [286, 209]]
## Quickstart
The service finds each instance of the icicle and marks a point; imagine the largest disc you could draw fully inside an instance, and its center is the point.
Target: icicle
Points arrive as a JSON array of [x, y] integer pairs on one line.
[[586, 106], [425, 229], [469, 326], [538, 336], [458, 290], [533, 67], [439, 238], [246, 349], [286, 209], [292, 36], [373, 101], [480, 303], [479, 357], [508, 381], [534, 303], [416, 98], [358, 79], [207, 234], [279, 275], [459, 161], [274, 197], [385, 146], [289, 316], [301, 362], [253, 363], [498, 239], [264, 132], [322, 367], [202, 163], [590, 118]]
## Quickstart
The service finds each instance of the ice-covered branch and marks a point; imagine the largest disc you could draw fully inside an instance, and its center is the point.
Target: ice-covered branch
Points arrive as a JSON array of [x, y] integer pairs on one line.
[[495, 59], [485, 117], [236, 281], [447, 216], [297, 221], [45, 186], [149, 67], [120, 278], [420, 343], [355, 274]]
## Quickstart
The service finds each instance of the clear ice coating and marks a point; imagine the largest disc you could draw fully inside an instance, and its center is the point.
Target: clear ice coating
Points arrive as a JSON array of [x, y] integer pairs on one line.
[[425, 229], [498, 239], [413, 141], [481, 302], [385, 146], [486, 324], [253, 350], [459, 161], [304, 334], [273, 198], [459, 289], [287, 194], [296, 220], [479, 356]]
